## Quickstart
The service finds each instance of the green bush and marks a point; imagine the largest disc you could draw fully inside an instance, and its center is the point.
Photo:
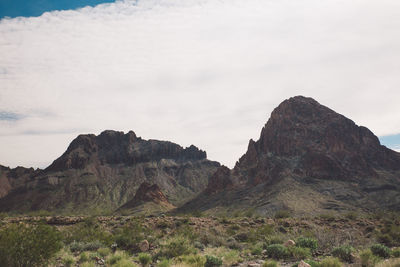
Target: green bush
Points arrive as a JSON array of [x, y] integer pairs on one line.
[[176, 246], [344, 253], [164, 263], [144, 259], [307, 242], [130, 235], [330, 262], [104, 252], [277, 251], [212, 261], [380, 250], [300, 253], [396, 252], [194, 260], [84, 256], [275, 239], [257, 249], [68, 261], [22, 245], [368, 259], [270, 263]]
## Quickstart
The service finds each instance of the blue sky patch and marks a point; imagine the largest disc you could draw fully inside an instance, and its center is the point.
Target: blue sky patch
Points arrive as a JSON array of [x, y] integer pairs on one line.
[[34, 8], [391, 141], [9, 116]]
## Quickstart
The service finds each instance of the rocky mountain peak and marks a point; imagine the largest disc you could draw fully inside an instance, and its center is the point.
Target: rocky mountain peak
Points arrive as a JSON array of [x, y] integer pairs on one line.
[[314, 140]]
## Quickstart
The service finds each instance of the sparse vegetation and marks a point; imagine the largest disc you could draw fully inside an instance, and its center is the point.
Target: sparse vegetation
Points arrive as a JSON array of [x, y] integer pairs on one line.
[[224, 240]]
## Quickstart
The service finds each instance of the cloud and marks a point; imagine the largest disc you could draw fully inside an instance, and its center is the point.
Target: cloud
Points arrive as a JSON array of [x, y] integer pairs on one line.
[[194, 71]]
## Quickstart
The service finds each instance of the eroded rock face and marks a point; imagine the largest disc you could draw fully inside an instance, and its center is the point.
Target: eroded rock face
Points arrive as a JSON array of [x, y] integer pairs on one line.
[[148, 192], [105, 171], [219, 181]]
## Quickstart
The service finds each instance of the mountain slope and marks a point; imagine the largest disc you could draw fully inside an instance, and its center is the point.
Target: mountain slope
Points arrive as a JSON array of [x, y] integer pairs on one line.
[[103, 172], [308, 159]]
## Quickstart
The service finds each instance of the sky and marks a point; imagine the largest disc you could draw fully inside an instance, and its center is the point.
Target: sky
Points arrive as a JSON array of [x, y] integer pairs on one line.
[[202, 72]]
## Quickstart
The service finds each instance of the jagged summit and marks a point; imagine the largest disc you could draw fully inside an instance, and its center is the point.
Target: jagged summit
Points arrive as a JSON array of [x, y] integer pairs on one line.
[[113, 147]]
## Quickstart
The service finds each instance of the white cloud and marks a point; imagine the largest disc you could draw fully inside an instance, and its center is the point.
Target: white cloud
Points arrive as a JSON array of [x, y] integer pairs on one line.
[[193, 71]]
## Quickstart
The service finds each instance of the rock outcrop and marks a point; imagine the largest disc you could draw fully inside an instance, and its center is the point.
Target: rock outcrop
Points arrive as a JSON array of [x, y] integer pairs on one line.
[[308, 159], [104, 172]]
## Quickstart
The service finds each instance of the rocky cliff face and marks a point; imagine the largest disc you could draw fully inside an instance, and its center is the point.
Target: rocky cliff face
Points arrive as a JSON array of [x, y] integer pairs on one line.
[[103, 172], [309, 159], [148, 193]]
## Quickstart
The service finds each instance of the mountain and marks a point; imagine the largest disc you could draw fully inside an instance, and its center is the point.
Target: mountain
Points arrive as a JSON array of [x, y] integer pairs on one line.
[[104, 172], [308, 159]]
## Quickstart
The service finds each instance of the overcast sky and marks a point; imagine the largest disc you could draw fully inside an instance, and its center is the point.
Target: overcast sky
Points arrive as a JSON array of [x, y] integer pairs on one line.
[[202, 72]]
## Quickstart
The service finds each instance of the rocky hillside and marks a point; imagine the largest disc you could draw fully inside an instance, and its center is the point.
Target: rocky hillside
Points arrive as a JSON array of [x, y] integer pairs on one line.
[[308, 159], [104, 172], [149, 199]]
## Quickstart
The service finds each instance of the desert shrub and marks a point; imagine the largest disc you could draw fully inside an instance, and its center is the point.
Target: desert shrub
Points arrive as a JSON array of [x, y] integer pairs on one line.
[[307, 242], [330, 262], [22, 245], [187, 232], [368, 259], [164, 263], [313, 263], [144, 258], [256, 249], [212, 261], [344, 253], [300, 253], [176, 246], [194, 260], [380, 250], [84, 256], [390, 234], [214, 240], [232, 229], [396, 252], [275, 239], [104, 252], [116, 257], [280, 214], [242, 237], [68, 261], [270, 263], [87, 232], [85, 246], [233, 244], [130, 235], [277, 251]]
